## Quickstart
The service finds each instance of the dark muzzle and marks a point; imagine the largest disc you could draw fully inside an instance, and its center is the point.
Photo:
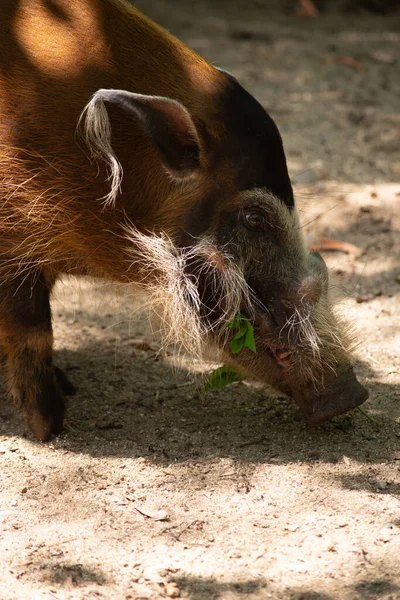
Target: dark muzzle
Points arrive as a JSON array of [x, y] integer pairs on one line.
[[341, 393]]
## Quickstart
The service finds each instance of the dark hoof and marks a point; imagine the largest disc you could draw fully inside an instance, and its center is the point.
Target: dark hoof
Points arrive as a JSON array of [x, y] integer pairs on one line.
[[44, 427], [66, 386], [45, 419]]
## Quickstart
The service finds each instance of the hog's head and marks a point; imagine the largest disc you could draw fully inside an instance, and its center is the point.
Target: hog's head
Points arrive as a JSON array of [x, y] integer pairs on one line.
[[235, 245], [302, 347]]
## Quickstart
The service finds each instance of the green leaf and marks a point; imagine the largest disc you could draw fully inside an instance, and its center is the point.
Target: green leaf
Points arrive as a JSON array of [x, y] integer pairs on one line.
[[249, 341], [241, 333], [222, 377], [238, 341], [243, 338], [236, 345]]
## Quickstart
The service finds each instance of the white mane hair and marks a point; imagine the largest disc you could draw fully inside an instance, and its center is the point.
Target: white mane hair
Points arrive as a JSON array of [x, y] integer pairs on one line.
[[173, 290]]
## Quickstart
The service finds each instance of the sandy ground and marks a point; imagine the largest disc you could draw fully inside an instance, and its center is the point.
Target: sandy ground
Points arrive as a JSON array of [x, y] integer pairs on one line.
[[157, 490]]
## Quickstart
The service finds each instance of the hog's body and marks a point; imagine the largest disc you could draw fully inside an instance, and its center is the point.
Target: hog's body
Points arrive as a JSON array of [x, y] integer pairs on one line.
[[187, 195]]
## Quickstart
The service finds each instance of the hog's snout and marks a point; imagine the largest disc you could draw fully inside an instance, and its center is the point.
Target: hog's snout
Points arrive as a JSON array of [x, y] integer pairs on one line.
[[341, 393]]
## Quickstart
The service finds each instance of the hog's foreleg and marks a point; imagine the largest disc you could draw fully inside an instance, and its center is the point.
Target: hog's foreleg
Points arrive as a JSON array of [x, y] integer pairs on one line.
[[26, 335]]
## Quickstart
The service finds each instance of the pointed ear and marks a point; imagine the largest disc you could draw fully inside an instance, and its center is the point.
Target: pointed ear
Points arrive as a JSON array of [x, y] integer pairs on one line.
[[167, 123]]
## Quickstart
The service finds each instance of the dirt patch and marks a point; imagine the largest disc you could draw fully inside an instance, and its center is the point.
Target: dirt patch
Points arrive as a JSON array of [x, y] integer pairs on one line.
[[158, 490]]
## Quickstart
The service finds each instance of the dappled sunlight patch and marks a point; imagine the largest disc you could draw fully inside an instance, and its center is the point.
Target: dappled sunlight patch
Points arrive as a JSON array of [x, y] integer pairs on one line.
[[329, 200]]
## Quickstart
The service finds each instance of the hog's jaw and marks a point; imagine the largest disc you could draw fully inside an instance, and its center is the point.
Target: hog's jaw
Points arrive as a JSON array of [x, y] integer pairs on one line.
[[303, 348]]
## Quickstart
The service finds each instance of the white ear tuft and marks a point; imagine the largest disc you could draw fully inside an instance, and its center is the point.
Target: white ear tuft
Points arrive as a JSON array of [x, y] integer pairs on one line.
[[96, 132]]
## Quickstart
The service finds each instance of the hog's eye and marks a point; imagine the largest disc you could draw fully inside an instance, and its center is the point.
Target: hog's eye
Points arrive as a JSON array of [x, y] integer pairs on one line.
[[254, 219]]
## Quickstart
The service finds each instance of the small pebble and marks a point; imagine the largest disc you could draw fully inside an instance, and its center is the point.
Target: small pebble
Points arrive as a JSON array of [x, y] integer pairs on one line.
[[172, 590], [386, 533], [108, 424], [366, 298]]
